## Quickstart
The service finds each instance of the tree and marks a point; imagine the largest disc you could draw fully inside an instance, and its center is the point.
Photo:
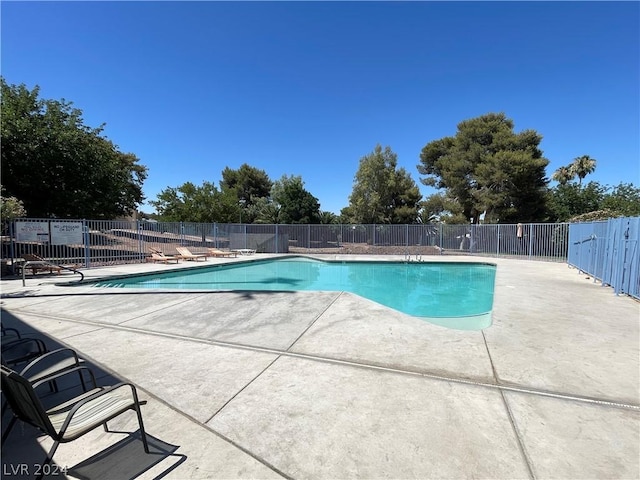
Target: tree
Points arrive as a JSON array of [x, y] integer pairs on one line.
[[582, 166], [439, 208], [190, 203], [265, 211], [624, 199], [250, 185], [328, 218], [593, 201], [382, 192], [563, 175], [249, 182], [10, 207], [487, 167], [568, 200], [60, 167], [295, 203]]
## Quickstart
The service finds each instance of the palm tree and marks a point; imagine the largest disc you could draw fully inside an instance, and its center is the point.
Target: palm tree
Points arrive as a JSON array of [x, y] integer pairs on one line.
[[583, 166], [563, 174], [327, 218]]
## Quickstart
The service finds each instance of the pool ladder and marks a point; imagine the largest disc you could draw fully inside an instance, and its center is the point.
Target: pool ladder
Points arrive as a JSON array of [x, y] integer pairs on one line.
[[407, 258]]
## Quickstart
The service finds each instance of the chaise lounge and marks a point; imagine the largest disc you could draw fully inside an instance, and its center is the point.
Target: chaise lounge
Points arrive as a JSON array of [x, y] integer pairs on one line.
[[220, 253], [186, 254], [158, 256], [38, 264]]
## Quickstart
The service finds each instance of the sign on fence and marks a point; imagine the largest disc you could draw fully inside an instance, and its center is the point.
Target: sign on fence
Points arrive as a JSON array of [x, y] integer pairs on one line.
[[66, 233], [55, 233], [32, 232]]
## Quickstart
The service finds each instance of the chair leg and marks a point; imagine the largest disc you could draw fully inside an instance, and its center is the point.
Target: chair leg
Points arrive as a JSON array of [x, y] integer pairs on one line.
[[9, 427], [136, 406], [143, 434], [48, 460]]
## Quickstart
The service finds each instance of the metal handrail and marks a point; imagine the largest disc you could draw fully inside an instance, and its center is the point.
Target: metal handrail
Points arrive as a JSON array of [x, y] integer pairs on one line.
[[45, 264], [590, 238]]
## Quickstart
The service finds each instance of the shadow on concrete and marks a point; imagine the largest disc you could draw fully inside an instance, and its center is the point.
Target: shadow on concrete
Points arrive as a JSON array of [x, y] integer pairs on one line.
[[127, 459], [22, 453]]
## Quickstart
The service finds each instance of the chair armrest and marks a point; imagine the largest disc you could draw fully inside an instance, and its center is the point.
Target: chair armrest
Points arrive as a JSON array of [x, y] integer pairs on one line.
[[23, 340], [109, 410], [26, 354], [63, 373], [59, 359], [16, 333]]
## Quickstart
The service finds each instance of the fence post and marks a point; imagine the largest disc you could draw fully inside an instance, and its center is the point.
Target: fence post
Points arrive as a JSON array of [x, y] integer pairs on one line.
[[87, 251], [498, 242], [277, 240], [12, 246], [140, 241], [441, 233], [530, 240]]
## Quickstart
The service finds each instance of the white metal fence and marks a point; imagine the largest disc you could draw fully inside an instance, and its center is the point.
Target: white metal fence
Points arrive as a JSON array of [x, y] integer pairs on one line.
[[96, 242]]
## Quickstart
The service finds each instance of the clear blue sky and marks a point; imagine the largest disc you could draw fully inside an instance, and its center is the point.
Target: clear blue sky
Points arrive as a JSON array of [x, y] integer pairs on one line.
[[308, 89]]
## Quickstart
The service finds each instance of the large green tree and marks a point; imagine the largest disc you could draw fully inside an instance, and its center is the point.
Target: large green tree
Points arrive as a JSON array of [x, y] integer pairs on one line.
[[59, 167], [295, 203], [624, 199], [382, 192], [249, 182], [192, 203], [593, 200], [251, 185], [488, 167]]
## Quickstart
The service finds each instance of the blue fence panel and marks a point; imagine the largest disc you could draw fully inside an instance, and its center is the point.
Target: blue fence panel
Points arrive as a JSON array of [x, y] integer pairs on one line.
[[608, 251]]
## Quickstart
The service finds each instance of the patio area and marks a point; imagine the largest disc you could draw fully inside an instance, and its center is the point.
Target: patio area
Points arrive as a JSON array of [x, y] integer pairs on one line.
[[326, 385]]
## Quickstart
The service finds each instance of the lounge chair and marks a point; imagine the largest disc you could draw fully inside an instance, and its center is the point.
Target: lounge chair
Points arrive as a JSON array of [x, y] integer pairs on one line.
[[73, 418], [187, 255], [158, 256], [220, 253], [39, 264], [244, 251]]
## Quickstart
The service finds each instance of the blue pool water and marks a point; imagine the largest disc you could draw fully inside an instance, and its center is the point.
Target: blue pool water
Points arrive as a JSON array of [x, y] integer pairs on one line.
[[457, 295]]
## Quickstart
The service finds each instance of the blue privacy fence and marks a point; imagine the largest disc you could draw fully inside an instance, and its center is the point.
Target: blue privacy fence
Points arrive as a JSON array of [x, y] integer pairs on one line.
[[608, 251]]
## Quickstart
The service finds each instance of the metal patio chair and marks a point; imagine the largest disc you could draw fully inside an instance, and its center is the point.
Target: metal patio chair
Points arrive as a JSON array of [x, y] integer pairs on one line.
[[73, 418], [17, 349], [50, 364]]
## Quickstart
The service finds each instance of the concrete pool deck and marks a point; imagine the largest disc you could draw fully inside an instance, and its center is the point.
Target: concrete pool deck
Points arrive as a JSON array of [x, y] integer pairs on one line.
[[329, 385]]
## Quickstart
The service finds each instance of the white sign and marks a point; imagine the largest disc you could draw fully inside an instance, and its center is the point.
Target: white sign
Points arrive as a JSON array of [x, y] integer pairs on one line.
[[32, 232], [66, 233]]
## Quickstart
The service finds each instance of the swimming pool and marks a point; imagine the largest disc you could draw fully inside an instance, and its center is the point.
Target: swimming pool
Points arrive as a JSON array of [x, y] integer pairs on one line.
[[456, 295]]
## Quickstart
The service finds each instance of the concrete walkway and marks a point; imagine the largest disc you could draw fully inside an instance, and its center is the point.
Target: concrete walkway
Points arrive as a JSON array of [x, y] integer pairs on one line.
[[329, 385]]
